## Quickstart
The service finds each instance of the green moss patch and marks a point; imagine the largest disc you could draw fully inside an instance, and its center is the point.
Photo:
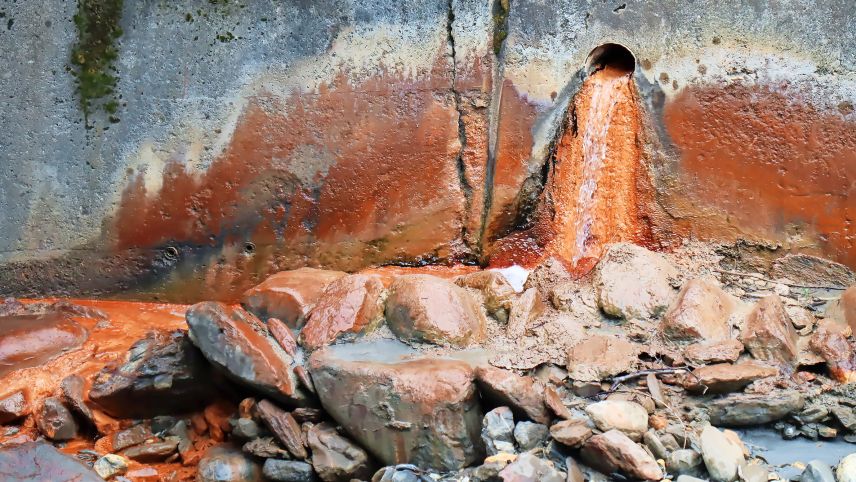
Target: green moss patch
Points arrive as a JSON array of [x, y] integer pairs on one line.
[[94, 55]]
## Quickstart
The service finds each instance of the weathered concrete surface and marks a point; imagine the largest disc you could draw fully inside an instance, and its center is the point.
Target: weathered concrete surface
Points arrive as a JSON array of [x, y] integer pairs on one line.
[[343, 134]]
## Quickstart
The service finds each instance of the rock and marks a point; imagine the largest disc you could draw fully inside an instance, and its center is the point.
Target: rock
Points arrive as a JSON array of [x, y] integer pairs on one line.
[[721, 351], [55, 420], [288, 471], [632, 282], [289, 295], [529, 468], [655, 444], [740, 410], [575, 474], [572, 433], [223, 463], [161, 373], [754, 472], [769, 334], [284, 428], [41, 462], [700, 313], [846, 470], [689, 478], [684, 461], [628, 417], [554, 402], [726, 378], [393, 401], [522, 393], [265, 447], [613, 451], [838, 353], [817, 471], [845, 416], [547, 275], [350, 306], [497, 431], [721, 456], [227, 338], [13, 407], [186, 449], [130, 437], [495, 288], [848, 307], [598, 357], [110, 465], [151, 452], [429, 309], [812, 270], [334, 457], [72, 388], [283, 335], [529, 435], [526, 308], [246, 428]]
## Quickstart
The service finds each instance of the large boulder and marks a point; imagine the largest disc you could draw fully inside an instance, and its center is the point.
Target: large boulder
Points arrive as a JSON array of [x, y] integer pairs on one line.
[[402, 408], [235, 341], [768, 333], [700, 313], [613, 451], [598, 357], [289, 295], [429, 309], [632, 282], [40, 462], [162, 373], [349, 306]]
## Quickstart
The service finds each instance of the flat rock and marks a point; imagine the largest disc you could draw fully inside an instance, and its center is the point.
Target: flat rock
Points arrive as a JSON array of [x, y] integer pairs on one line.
[[598, 357], [529, 468], [349, 306], [741, 410], [721, 456], [129, 437], [399, 406], [336, 458], [812, 270], [283, 335], [429, 309], [497, 291], [768, 333], [265, 447], [613, 451], [161, 373], [151, 452], [288, 471], [110, 465], [700, 312], [40, 462], [719, 351], [13, 407], [228, 338], [55, 420], [223, 463], [632, 282], [284, 427], [572, 433], [525, 395], [628, 417], [289, 295], [726, 378]]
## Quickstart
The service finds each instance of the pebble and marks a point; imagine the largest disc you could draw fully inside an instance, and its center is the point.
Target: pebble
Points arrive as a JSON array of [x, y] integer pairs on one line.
[[110, 465], [288, 471]]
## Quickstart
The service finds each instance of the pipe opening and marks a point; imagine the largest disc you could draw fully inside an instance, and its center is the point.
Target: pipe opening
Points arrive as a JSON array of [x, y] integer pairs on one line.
[[615, 56]]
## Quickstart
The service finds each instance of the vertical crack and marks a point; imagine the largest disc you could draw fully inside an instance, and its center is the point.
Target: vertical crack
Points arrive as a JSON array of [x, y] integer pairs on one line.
[[466, 187]]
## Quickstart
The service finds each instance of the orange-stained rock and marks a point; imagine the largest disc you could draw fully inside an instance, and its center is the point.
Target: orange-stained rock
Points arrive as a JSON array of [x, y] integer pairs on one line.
[[725, 377], [768, 333], [613, 451], [399, 406], [13, 407], [349, 306], [598, 357], [848, 306], [838, 353], [283, 335], [497, 291], [700, 313], [235, 341], [718, 351], [289, 295], [524, 395], [430, 309]]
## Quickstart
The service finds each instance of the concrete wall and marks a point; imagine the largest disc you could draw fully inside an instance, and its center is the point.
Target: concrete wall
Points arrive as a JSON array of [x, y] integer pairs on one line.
[[344, 134]]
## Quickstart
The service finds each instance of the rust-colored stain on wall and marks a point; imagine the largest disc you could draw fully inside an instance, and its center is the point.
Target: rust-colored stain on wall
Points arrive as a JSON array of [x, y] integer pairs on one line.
[[757, 162]]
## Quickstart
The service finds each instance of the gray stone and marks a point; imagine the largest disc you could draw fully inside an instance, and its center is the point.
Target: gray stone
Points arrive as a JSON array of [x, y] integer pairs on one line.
[[41, 462], [72, 388], [288, 471], [754, 409], [334, 457], [245, 428], [55, 421], [497, 431], [530, 435], [817, 471], [13, 407], [655, 445], [224, 463], [265, 447], [684, 461]]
